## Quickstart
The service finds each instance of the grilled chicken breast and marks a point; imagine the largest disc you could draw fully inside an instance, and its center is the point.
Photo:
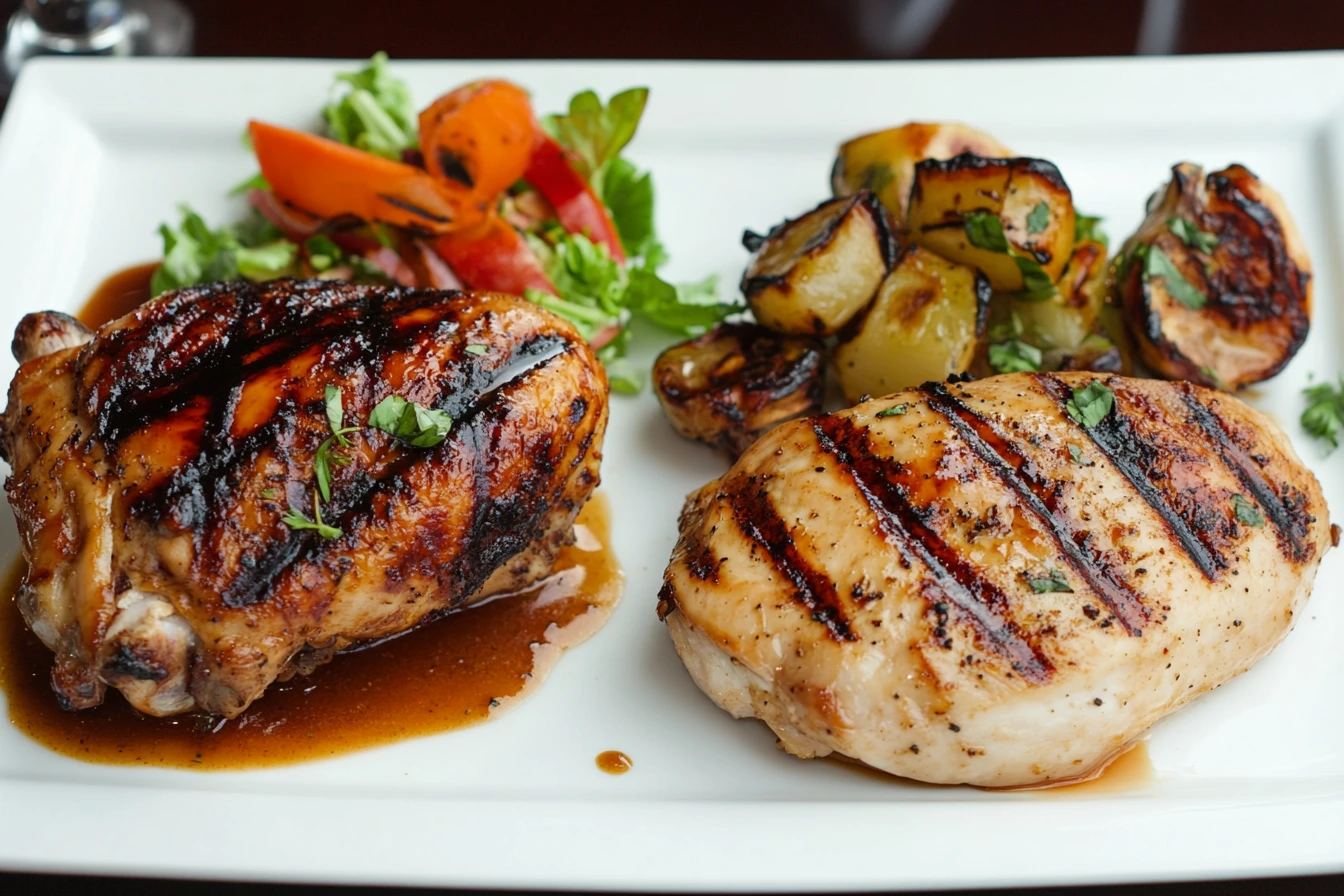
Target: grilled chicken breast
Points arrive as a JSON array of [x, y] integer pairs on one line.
[[964, 584], [154, 463]]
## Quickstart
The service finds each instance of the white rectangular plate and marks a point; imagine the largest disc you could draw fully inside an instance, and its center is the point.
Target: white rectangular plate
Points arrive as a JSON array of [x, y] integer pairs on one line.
[[1250, 780]]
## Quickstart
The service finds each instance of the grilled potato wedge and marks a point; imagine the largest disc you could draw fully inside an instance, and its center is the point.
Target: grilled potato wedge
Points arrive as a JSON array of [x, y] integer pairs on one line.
[[926, 323], [1068, 314], [730, 385], [1216, 283], [810, 275], [1011, 218], [884, 161]]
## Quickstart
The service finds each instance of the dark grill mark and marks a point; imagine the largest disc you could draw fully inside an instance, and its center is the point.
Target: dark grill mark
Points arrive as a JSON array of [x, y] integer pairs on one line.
[[453, 168], [1134, 456], [759, 521], [413, 209], [1039, 493], [473, 396], [1286, 513], [886, 487]]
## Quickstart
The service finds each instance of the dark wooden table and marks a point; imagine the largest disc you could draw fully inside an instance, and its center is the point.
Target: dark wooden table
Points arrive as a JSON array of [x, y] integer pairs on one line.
[[720, 29]]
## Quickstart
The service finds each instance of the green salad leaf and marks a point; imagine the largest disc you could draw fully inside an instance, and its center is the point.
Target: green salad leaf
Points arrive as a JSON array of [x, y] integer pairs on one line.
[[372, 110], [596, 133], [193, 253]]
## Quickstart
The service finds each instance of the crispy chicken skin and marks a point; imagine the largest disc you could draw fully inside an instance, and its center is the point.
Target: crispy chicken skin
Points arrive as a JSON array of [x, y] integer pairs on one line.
[[981, 590], [153, 463]]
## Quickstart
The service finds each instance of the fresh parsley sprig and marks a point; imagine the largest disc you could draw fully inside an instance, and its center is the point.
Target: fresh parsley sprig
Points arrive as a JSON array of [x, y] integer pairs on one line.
[[1323, 417], [412, 423], [985, 231], [1090, 404]]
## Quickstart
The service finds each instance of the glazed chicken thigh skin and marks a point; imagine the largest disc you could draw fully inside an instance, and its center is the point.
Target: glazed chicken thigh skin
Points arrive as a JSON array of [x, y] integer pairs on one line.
[[963, 584], [154, 463]]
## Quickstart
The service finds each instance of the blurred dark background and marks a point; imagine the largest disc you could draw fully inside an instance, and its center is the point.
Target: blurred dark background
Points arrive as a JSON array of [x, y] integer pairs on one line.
[[764, 29]]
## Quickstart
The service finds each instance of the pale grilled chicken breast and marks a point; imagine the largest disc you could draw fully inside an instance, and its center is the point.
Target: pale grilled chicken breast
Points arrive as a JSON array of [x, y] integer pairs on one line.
[[153, 464], [962, 584]]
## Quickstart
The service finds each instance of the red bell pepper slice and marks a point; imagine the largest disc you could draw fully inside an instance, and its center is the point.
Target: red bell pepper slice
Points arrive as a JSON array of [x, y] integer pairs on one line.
[[576, 205], [494, 257]]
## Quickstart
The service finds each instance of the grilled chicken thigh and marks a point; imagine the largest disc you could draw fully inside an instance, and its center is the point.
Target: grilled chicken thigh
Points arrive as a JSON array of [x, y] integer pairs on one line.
[[967, 583], [154, 464]]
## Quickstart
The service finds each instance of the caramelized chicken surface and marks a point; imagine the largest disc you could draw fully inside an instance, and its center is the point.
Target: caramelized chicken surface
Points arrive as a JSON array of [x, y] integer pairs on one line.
[[963, 583], [154, 463]]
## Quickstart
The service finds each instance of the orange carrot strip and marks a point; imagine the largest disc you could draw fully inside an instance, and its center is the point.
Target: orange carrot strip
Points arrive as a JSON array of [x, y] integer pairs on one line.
[[479, 137], [330, 179]]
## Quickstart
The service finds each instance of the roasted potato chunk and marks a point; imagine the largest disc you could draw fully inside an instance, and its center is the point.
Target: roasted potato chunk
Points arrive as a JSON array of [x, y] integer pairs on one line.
[[925, 324], [732, 384], [1011, 218], [884, 161], [1066, 315], [810, 275], [1216, 283]]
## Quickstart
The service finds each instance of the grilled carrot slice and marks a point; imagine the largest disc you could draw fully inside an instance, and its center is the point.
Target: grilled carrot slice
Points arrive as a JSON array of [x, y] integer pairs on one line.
[[330, 179], [479, 138]]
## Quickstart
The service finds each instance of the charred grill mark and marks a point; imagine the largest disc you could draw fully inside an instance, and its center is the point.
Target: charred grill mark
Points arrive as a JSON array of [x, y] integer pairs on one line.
[[1287, 513], [1135, 457], [885, 487], [454, 168], [760, 521], [470, 394], [202, 490], [414, 209], [1038, 492]]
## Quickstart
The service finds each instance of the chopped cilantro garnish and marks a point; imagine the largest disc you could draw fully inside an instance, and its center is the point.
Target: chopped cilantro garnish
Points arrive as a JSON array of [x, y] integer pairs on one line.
[[1077, 454], [477, 349], [1324, 414], [1157, 264], [1038, 219], [1246, 511], [1014, 356], [1090, 405], [1189, 233], [296, 520], [1052, 581], [895, 410], [414, 424]]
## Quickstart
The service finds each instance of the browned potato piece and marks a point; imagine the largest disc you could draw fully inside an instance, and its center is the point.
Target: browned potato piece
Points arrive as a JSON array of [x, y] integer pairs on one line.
[[925, 324], [884, 161], [812, 274], [1216, 283], [1011, 218], [730, 385], [1068, 315]]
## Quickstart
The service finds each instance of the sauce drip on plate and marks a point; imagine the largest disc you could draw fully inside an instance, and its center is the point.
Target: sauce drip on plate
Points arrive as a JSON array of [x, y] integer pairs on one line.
[[614, 762], [457, 671]]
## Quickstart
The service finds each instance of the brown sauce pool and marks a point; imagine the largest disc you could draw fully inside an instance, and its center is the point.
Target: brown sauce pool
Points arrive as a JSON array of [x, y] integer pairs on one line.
[[614, 762], [457, 671], [119, 294]]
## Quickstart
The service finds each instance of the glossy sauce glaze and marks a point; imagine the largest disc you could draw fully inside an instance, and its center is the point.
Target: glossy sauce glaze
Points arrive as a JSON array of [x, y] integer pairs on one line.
[[614, 762], [456, 671]]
